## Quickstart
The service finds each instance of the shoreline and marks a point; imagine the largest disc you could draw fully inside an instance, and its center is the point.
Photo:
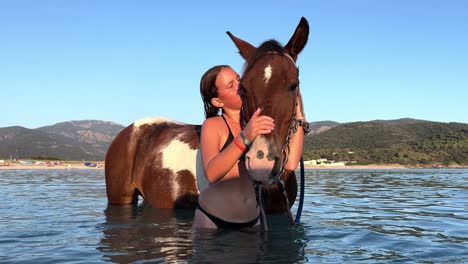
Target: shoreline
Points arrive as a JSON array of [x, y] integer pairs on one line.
[[70, 165], [383, 167], [100, 165], [45, 167]]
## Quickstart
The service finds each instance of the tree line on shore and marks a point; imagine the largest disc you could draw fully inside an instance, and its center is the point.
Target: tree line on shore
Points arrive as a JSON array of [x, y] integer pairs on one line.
[[418, 143]]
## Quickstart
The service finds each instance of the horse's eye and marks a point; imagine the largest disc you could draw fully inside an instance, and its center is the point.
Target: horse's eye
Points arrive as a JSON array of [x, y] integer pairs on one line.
[[293, 87]]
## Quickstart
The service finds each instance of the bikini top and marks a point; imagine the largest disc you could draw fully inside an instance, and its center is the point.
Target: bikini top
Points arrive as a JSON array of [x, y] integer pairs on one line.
[[230, 139], [230, 136]]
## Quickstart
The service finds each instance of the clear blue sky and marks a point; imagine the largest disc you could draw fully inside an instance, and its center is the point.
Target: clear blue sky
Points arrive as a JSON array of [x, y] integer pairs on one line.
[[124, 60]]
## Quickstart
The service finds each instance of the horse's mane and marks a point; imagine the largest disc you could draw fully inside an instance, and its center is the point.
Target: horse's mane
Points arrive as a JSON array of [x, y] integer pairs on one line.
[[266, 47]]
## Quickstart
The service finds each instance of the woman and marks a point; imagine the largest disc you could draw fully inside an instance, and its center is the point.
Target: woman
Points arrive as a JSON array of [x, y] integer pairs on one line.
[[229, 201]]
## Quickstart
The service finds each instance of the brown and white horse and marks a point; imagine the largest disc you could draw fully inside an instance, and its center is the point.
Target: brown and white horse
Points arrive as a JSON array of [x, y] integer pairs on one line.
[[159, 159]]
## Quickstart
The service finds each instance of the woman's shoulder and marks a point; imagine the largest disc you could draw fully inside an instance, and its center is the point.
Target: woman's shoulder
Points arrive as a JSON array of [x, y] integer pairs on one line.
[[213, 121], [214, 125]]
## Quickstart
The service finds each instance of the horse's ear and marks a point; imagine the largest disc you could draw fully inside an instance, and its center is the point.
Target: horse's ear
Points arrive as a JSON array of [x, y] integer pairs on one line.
[[299, 39], [245, 48]]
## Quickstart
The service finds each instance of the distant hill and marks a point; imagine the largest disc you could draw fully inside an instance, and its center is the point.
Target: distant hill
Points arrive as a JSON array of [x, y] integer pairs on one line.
[[94, 132], [403, 141], [401, 121], [74, 140], [321, 126]]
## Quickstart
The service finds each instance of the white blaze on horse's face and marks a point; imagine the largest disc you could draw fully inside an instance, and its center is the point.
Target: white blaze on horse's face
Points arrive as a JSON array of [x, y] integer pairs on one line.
[[267, 73]]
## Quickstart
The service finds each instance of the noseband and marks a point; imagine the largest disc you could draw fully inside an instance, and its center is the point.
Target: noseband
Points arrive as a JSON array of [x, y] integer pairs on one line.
[[285, 150]]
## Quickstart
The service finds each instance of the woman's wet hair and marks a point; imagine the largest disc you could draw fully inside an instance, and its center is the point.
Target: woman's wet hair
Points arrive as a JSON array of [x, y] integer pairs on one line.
[[208, 89]]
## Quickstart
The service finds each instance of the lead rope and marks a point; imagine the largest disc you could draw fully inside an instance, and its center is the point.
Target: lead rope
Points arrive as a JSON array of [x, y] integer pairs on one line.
[[259, 197], [286, 201], [301, 197], [263, 218]]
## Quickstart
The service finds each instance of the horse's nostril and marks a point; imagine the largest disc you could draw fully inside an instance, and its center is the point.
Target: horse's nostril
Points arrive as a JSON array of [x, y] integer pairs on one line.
[[260, 154]]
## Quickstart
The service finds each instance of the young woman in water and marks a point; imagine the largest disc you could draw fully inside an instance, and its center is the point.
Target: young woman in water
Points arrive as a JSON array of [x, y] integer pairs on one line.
[[229, 201]]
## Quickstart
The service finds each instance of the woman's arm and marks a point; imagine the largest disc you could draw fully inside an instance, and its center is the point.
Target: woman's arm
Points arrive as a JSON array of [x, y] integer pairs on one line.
[[295, 150], [297, 141], [217, 164]]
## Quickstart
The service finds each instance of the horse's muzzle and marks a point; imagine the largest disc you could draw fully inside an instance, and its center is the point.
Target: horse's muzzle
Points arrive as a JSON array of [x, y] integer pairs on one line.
[[262, 161]]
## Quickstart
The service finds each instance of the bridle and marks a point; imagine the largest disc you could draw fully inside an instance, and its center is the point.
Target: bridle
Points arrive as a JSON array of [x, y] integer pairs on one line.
[[293, 127], [285, 150]]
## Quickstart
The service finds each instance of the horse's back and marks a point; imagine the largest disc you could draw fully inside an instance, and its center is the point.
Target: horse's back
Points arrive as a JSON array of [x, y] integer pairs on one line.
[[160, 160]]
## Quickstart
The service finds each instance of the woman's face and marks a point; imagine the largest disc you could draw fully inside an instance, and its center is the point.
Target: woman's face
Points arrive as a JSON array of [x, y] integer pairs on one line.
[[227, 83]]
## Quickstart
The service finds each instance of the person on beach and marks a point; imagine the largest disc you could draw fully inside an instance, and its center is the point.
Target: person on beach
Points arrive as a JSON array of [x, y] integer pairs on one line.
[[229, 201]]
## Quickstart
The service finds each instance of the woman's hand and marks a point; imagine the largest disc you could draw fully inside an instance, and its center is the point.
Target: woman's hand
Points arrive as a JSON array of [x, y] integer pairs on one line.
[[258, 125]]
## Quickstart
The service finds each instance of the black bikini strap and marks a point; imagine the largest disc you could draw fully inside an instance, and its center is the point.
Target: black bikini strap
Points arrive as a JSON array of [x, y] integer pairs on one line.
[[225, 121]]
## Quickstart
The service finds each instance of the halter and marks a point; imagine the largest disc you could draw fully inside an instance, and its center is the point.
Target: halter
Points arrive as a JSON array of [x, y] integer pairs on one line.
[[294, 125], [285, 150]]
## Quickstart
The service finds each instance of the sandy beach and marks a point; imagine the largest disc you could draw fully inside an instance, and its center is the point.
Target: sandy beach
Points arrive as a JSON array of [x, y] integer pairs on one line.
[[52, 165]]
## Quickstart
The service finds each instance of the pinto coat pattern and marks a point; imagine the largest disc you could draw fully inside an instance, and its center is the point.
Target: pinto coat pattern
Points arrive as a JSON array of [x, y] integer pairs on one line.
[[159, 159]]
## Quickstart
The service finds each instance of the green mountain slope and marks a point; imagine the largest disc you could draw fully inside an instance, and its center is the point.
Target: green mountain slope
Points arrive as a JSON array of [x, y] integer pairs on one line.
[[418, 142]]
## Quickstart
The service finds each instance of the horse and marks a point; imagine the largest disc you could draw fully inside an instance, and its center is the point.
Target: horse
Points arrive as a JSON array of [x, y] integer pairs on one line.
[[159, 159]]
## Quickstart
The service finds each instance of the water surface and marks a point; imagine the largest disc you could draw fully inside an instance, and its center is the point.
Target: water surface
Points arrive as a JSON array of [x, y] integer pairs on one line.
[[349, 216]]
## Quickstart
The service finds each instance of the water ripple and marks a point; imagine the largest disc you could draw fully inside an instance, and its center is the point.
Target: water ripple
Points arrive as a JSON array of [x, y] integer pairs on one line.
[[349, 216]]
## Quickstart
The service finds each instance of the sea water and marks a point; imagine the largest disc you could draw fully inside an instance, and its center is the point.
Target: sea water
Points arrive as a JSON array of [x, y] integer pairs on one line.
[[349, 216]]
